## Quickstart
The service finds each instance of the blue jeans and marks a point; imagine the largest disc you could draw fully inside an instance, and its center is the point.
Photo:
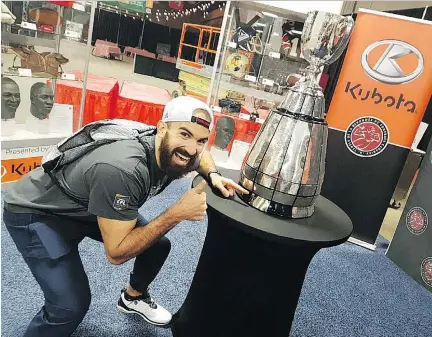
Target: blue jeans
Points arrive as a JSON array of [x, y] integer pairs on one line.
[[49, 246]]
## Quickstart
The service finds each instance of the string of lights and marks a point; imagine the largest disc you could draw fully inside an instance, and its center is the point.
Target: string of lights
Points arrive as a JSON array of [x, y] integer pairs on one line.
[[167, 14], [175, 14]]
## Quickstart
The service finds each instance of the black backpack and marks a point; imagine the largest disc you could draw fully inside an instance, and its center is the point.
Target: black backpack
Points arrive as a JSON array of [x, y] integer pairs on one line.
[[89, 138]]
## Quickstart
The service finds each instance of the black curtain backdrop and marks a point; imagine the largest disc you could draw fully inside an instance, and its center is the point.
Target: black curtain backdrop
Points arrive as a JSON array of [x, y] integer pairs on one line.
[[106, 27]]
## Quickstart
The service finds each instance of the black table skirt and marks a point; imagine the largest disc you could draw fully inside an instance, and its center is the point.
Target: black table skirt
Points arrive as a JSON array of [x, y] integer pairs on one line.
[[248, 281], [157, 68]]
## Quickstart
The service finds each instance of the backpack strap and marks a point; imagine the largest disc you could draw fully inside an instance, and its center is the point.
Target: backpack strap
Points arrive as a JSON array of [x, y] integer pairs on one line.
[[65, 191]]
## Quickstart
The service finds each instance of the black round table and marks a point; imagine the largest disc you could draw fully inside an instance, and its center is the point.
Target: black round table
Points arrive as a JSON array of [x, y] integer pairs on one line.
[[252, 267]]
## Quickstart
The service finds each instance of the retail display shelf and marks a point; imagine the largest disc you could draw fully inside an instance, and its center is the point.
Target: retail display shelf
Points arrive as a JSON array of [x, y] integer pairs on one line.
[[28, 40], [48, 77], [23, 138], [251, 92], [19, 27]]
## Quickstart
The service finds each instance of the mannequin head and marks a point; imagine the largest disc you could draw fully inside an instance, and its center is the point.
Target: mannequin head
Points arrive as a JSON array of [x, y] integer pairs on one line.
[[224, 132], [10, 98], [42, 100]]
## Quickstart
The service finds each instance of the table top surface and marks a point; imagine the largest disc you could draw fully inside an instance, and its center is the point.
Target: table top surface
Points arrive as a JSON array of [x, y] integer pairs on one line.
[[328, 226]]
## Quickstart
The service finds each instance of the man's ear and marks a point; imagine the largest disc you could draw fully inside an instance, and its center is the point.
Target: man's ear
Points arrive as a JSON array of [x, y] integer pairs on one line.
[[162, 128]]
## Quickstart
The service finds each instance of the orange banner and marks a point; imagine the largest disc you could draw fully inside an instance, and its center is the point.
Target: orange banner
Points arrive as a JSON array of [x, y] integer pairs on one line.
[[385, 82], [14, 169]]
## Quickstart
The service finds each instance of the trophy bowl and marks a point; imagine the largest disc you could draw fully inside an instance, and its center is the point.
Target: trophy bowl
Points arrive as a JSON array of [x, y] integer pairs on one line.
[[284, 167]]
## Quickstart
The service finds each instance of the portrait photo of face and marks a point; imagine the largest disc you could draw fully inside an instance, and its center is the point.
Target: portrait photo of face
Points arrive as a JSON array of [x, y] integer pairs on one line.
[[10, 98], [42, 100], [225, 127]]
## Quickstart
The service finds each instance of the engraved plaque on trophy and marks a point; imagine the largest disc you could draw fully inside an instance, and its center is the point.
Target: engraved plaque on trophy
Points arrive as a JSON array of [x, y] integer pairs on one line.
[[284, 167]]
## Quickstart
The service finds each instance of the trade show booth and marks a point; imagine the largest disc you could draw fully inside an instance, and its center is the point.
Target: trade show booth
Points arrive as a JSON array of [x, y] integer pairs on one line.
[[321, 111]]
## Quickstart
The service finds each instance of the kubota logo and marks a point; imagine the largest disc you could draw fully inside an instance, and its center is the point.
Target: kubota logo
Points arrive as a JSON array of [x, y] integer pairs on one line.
[[399, 63], [358, 92]]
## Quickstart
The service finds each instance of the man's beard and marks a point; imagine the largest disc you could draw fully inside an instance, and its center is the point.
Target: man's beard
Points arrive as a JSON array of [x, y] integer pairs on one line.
[[166, 162]]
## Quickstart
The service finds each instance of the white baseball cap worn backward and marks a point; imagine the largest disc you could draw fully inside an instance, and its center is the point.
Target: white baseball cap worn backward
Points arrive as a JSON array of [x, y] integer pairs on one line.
[[181, 109]]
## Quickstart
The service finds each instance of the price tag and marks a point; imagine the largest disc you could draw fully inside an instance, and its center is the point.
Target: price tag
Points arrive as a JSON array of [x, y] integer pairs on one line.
[[70, 77], [244, 116], [25, 72], [268, 82], [250, 78], [148, 10], [28, 25], [232, 44], [259, 120], [216, 108], [78, 7], [274, 55]]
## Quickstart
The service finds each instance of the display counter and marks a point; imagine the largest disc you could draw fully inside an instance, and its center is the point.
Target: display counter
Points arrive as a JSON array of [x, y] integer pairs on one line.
[[100, 101], [140, 102]]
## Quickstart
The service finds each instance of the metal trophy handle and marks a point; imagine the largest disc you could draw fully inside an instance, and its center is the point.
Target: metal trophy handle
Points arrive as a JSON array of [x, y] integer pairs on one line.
[[325, 37], [284, 167]]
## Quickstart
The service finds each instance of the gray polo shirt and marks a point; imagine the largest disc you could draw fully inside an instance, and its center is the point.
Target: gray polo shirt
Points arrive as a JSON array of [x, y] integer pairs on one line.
[[115, 178]]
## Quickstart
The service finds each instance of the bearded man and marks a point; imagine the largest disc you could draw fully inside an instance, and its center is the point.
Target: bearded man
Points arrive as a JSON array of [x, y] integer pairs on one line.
[[116, 179]]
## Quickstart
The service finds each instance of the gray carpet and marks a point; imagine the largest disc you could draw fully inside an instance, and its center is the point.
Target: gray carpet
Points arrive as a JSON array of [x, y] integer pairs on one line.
[[349, 291]]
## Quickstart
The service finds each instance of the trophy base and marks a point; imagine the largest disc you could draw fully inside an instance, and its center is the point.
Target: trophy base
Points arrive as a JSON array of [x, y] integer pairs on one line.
[[274, 208]]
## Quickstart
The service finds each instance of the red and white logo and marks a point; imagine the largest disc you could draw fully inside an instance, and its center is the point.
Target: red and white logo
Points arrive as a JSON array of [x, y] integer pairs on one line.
[[417, 220], [426, 271], [367, 137]]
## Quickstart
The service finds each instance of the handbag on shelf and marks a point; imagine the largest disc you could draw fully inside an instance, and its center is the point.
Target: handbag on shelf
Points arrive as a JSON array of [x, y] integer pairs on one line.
[[54, 61], [40, 63], [30, 59]]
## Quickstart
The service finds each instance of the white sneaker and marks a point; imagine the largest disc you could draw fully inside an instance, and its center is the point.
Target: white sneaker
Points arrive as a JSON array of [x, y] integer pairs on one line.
[[146, 308]]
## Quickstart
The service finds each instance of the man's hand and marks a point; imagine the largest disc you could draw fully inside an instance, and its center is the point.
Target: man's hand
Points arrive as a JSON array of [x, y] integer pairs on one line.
[[226, 186], [192, 205]]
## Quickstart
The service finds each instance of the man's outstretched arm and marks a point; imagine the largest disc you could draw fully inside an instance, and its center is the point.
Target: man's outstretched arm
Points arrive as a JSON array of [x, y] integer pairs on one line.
[[226, 186]]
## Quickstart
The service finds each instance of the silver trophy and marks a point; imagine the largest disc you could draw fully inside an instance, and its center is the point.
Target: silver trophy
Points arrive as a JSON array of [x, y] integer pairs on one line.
[[284, 168]]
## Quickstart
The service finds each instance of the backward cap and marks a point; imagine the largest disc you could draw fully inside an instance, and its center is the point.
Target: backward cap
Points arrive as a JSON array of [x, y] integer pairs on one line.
[[181, 109]]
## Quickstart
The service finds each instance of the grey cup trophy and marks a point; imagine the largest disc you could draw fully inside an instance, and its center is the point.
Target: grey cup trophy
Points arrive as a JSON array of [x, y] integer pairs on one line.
[[284, 167]]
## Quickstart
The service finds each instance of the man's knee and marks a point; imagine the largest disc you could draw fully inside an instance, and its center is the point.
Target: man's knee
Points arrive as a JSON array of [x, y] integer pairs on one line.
[[68, 313], [164, 244]]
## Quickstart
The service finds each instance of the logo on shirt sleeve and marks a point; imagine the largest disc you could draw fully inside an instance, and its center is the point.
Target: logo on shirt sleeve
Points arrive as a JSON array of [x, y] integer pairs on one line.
[[121, 202]]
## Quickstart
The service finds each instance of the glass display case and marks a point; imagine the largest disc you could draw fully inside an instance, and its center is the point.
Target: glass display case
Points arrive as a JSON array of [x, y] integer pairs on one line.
[[36, 62], [260, 58]]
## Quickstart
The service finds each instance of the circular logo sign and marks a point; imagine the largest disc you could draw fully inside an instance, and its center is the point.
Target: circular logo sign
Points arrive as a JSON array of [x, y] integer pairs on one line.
[[367, 137], [417, 220], [426, 271], [3, 171], [388, 67]]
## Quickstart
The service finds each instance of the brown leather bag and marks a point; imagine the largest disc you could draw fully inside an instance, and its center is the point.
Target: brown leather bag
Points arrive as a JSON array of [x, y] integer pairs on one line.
[[30, 59], [40, 63], [53, 61]]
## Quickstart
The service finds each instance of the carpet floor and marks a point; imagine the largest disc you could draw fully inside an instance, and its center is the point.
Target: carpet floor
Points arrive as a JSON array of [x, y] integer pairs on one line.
[[348, 291]]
